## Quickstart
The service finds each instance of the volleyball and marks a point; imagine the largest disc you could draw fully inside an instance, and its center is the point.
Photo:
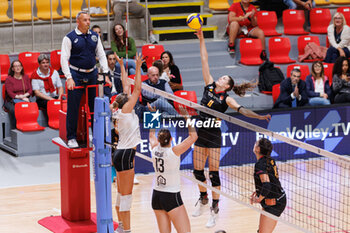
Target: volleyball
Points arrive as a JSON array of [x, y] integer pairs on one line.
[[194, 21]]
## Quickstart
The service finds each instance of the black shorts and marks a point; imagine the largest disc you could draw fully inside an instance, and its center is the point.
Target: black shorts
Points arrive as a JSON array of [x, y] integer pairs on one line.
[[209, 137], [165, 200], [123, 159], [277, 209]]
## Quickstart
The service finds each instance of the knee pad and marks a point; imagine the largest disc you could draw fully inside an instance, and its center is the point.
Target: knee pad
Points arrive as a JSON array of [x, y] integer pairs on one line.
[[214, 178], [117, 202], [125, 203], [199, 175]]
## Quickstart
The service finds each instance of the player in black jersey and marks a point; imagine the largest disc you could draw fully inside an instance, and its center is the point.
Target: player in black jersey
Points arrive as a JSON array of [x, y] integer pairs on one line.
[[269, 192], [208, 145]]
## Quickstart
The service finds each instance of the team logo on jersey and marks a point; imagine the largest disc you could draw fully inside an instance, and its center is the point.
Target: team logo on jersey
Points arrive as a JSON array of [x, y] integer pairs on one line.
[[151, 120], [94, 38], [76, 40], [221, 97]]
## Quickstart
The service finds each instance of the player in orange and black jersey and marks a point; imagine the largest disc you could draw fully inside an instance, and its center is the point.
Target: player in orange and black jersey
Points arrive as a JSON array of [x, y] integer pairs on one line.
[[208, 145], [269, 192]]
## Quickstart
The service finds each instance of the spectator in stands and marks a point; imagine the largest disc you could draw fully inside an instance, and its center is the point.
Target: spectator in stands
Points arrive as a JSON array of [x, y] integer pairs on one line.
[[119, 46], [46, 82], [293, 92], [119, 9], [153, 99], [317, 86], [341, 80], [339, 38], [18, 89], [242, 20], [302, 4], [172, 71], [114, 76]]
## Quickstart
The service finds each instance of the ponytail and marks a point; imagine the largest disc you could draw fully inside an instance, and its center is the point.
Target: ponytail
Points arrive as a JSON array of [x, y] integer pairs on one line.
[[241, 89]]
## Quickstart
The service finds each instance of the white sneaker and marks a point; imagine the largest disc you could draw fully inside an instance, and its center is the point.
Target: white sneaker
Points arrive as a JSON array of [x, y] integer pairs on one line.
[[199, 208], [213, 218], [72, 143], [152, 39], [119, 230], [136, 181]]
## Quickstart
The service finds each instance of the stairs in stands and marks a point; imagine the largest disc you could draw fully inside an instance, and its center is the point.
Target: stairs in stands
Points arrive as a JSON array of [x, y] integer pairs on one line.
[[169, 19]]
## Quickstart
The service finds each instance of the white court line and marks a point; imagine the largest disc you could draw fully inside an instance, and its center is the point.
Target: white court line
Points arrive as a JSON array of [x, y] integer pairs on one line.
[[232, 198], [31, 213]]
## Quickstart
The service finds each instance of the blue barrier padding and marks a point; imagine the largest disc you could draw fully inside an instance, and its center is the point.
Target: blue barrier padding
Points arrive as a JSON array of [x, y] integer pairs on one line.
[[102, 161]]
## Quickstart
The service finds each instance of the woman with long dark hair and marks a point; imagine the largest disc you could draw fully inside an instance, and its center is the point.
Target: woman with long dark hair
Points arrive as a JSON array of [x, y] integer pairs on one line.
[[208, 144], [166, 199], [269, 192], [18, 89], [127, 125]]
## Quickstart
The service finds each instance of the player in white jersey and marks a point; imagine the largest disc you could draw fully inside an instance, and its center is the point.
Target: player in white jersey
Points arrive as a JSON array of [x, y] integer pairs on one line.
[[127, 124], [166, 199]]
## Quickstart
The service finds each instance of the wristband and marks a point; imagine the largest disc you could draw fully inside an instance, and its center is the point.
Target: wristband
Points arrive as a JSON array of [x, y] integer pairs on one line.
[[239, 108]]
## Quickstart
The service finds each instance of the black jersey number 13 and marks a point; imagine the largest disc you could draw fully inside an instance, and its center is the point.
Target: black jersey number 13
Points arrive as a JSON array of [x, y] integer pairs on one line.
[[160, 164]]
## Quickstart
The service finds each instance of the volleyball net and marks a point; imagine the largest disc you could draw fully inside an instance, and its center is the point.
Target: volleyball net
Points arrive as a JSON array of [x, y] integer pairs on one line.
[[315, 180]]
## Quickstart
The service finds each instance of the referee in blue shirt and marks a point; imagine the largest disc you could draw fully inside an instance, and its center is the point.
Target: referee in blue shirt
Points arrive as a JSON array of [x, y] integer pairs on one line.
[[78, 61]]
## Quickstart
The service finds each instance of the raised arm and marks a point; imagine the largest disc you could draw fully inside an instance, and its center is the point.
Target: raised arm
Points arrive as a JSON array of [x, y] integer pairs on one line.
[[192, 136], [208, 79], [244, 111], [128, 107]]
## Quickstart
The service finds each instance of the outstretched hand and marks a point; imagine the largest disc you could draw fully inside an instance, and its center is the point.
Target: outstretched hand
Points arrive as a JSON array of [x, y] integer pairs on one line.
[[150, 108], [199, 34]]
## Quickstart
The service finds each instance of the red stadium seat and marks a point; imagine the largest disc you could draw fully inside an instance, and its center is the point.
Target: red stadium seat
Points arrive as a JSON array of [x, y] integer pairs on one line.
[[345, 10], [26, 117], [188, 95], [275, 92], [279, 48], [319, 20], [55, 58], [293, 21], [328, 71], [303, 41], [151, 53], [304, 69], [4, 66], [29, 61], [250, 50], [267, 21], [53, 109]]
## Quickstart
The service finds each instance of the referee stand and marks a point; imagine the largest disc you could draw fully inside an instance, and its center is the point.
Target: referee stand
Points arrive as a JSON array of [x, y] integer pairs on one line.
[[76, 213]]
